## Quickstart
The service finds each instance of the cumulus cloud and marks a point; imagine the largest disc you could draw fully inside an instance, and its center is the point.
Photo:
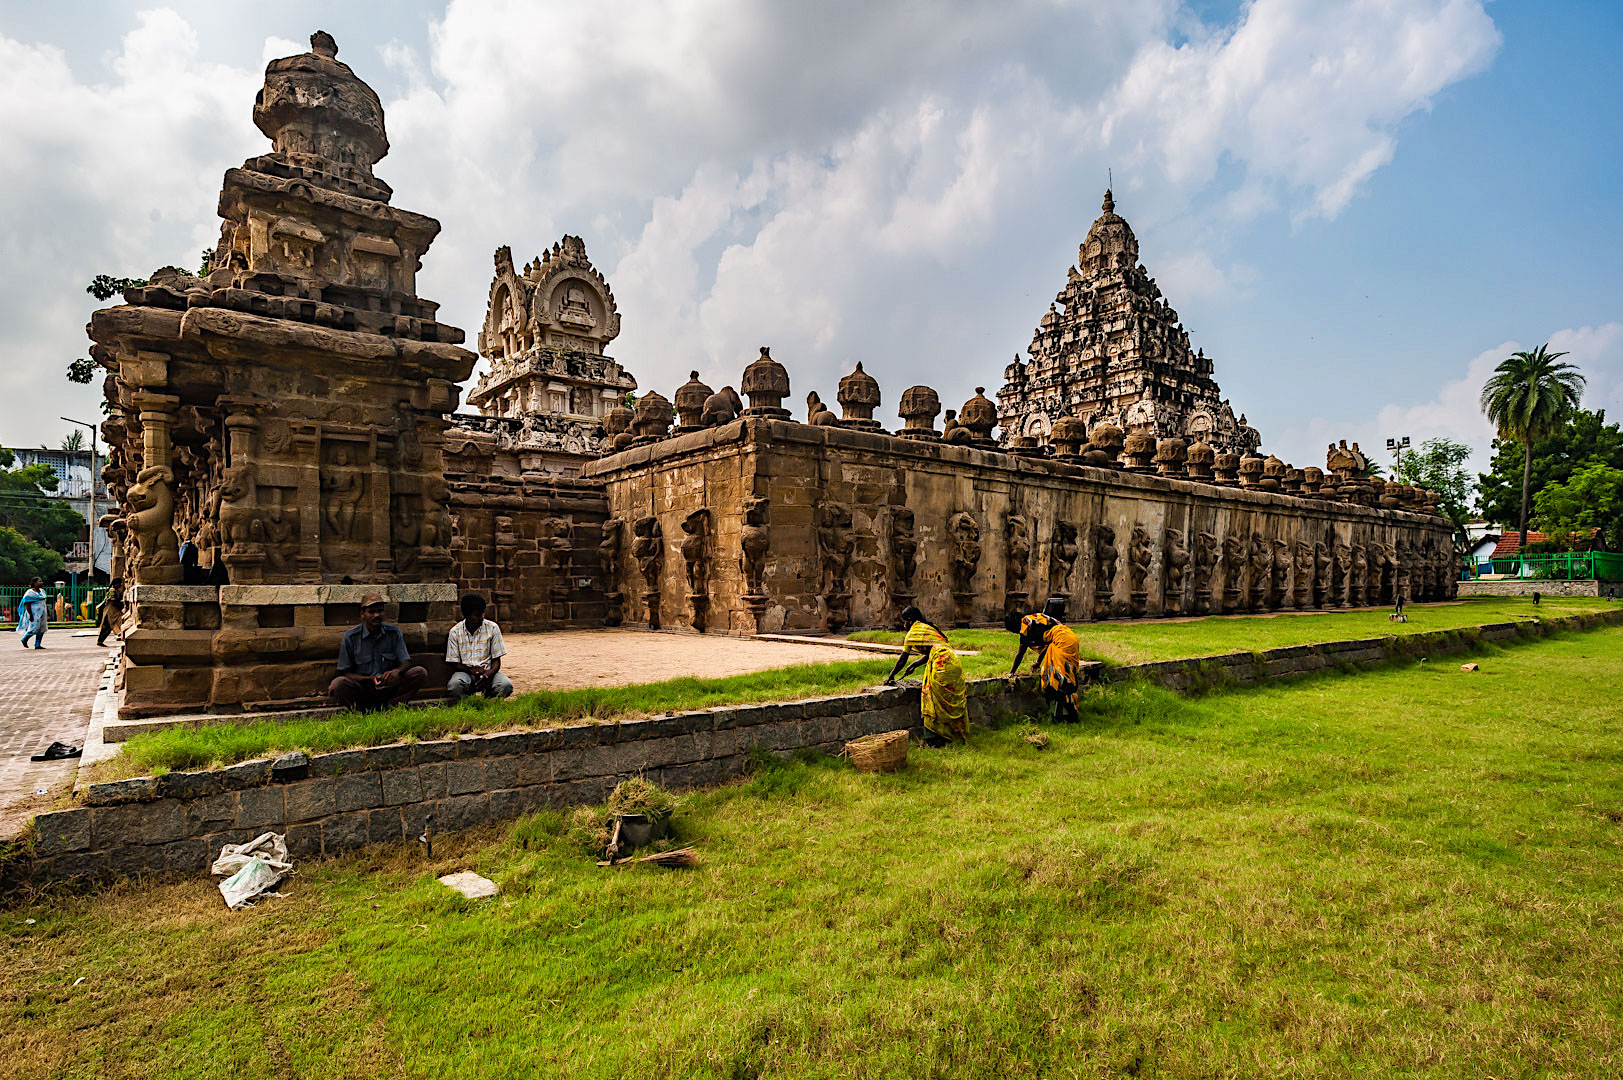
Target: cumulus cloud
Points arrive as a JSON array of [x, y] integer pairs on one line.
[[888, 182]]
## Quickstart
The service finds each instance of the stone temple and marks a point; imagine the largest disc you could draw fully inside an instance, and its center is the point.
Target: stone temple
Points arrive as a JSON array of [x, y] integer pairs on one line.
[[1111, 350], [290, 417]]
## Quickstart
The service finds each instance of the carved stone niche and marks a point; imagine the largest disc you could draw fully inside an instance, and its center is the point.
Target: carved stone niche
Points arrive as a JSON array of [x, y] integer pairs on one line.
[[1138, 450], [696, 546], [1170, 455], [648, 548], [766, 384], [835, 545], [689, 403], [965, 533], [904, 549], [919, 408], [1062, 552], [1140, 558], [1069, 436], [608, 566], [1017, 560], [1174, 565], [1104, 570], [859, 396]]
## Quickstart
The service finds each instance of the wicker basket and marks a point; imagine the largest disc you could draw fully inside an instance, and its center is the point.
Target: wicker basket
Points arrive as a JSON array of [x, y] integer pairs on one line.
[[885, 752]]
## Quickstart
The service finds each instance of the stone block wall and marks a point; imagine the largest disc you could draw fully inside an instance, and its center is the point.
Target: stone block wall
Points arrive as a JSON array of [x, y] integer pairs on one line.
[[1528, 586]]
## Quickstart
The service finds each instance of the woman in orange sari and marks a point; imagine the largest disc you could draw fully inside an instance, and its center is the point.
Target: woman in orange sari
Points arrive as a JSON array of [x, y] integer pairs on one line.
[[941, 700], [1059, 659]]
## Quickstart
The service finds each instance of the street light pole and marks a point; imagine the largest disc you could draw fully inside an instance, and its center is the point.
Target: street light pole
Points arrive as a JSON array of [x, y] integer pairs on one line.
[[92, 544], [1397, 446]]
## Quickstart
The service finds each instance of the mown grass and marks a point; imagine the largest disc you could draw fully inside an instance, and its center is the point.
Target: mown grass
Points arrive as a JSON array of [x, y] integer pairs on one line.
[[225, 744], [1405, 873], [1151, 640]]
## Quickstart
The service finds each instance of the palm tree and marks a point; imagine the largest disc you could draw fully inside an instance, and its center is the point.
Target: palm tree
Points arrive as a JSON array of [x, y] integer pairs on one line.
[[74, 441], [1526, 397]]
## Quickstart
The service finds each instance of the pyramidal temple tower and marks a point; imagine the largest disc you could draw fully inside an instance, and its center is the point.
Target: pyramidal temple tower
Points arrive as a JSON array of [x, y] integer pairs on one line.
[[1111, 349]]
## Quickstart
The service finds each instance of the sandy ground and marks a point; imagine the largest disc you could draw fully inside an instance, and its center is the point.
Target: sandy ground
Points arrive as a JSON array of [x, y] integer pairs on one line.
[[566, 659]]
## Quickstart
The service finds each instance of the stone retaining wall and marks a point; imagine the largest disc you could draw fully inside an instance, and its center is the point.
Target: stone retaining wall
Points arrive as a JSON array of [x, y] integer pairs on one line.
[[331, 803], [1529, 586]]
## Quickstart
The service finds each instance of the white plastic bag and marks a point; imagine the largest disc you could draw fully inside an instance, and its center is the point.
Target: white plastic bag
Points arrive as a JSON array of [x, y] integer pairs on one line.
[[254, 868]]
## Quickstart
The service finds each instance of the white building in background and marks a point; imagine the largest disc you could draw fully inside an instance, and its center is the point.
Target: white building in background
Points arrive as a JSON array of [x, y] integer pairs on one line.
[[75, 472]]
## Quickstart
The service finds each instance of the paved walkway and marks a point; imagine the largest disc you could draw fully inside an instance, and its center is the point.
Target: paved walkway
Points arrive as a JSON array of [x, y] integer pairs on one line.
[[565, 659], [45, 697]]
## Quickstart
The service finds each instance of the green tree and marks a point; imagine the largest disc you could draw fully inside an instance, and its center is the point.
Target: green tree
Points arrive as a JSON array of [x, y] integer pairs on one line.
[[22, 560], [1584, 438], [1592, 498], [25, 507], [1527, 397], [73, 441], [1439, 465], [102, 287]]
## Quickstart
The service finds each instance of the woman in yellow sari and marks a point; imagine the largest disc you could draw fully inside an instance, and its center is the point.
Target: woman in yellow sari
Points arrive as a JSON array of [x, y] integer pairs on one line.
[[1059, 659], [941, 700]]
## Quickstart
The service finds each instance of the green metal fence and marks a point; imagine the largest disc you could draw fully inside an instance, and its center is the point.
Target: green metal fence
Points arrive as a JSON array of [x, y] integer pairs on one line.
[[1562, 566], [68, 604]]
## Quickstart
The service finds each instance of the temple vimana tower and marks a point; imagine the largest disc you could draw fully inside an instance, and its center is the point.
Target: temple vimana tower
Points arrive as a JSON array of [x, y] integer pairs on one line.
[[1111, 350]]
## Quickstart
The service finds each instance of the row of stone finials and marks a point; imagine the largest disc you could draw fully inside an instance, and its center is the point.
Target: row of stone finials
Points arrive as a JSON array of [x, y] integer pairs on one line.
[[766, 382]]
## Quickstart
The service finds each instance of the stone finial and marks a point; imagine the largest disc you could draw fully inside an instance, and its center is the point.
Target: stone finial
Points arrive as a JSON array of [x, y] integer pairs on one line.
[[652, 417], [1226, 468], [1104, 446], [689, 401], [314, 104], [1273, 474], [1139, 451], [1292, 481], [1250, 471], [919, 408], [979, 415], [858, 396], [1109, 204], [1068, 436], [1312, 480], [1170, 455], [1198, 463], [766, 384]]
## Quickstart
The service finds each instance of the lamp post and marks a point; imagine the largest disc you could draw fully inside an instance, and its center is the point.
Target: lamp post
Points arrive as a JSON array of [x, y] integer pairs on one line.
[[1397, 446], [92, 544]]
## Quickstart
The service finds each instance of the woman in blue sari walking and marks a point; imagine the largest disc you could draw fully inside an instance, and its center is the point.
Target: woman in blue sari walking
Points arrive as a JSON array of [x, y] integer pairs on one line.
[[32, 616]]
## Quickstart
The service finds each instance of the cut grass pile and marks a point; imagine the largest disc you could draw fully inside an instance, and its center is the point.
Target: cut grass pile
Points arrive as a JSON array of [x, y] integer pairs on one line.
[[1405, 873], [225, 744], [1150, 640]]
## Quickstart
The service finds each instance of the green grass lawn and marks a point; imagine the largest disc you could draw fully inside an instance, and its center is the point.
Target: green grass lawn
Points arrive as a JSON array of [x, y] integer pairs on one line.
[[1405, 873], [1136, 642], [1149, 640]]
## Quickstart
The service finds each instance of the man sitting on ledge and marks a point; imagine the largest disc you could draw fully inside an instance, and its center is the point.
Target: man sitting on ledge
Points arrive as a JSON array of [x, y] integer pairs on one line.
[[474, 651], [374, 665]]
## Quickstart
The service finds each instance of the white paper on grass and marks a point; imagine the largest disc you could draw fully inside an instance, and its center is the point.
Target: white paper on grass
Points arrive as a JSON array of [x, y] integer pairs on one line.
[[254, 868]]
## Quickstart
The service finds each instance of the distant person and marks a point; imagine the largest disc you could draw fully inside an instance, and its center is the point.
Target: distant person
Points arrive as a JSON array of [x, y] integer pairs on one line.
[[1059, 659], [32, 614], [941, 700], [374, 665], [474, 651], [112, 611]]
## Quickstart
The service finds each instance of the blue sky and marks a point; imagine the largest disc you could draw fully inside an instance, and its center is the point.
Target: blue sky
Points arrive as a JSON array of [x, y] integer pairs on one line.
[[1356, 207]]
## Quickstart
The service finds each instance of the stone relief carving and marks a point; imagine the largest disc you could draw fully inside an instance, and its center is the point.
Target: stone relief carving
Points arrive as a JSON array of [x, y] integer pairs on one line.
[[965, 534], [149, 511], [1062, 553], [835, 545], [1234, 567], [696, 557], [1207, 554], [1279, 592], [341, 488], [608, 564], [1174, 563], [648, 548], [1262, 562], [1017, 559], [904, 548], [1140, 556], [1104, 570]]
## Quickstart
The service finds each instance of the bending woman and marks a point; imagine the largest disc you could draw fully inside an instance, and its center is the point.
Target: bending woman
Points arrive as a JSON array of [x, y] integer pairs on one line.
[[1059, 660], [941, 701]]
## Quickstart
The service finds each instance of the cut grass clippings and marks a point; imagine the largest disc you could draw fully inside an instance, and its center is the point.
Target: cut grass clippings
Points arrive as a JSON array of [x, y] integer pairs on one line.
[[1410, 873]]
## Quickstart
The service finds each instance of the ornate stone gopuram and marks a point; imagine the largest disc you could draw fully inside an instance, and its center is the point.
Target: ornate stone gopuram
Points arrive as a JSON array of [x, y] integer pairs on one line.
[[1116, 354], [283, 414], [550, 386], [835, 523]]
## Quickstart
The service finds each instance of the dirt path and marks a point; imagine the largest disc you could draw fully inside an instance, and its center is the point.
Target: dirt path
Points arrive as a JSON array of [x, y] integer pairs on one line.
[[567, 659]]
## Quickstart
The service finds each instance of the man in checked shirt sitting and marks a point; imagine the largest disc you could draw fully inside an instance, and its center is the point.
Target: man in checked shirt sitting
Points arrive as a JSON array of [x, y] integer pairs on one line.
[[474, 652]]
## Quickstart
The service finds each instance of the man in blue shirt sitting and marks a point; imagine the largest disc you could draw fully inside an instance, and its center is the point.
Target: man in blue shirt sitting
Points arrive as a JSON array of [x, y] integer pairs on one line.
[[374, 666]]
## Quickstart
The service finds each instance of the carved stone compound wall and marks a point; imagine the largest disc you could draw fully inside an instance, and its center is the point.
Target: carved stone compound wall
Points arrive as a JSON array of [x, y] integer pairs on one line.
[[284, 413], [860, 523]]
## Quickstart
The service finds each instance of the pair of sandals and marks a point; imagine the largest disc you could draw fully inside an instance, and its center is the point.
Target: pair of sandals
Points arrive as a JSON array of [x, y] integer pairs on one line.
[[57, 751]]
